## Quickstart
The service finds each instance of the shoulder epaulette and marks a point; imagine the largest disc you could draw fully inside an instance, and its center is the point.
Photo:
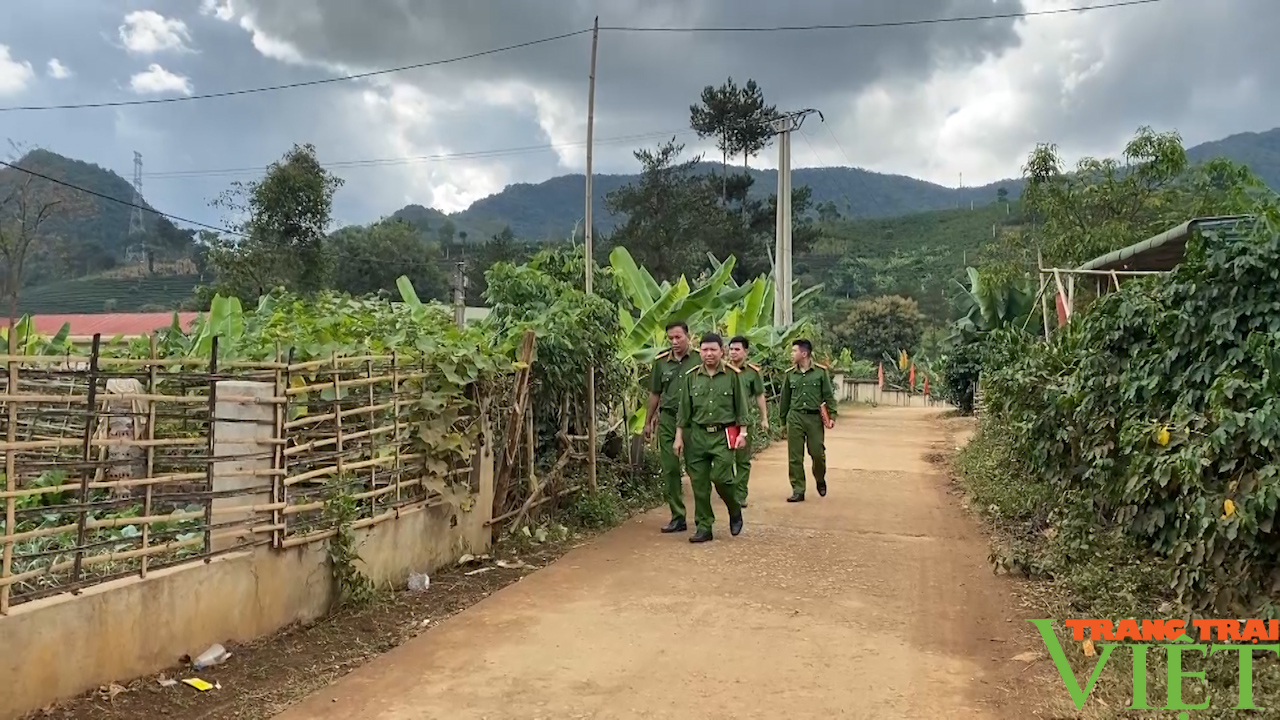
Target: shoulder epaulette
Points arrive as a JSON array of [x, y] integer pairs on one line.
[[737, 370], [824, 367], [692, 370], [663, 355], [754, 366], [793, 367]]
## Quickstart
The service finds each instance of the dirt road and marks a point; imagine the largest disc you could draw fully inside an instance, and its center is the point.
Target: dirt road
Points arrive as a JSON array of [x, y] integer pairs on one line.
[[873, 602]]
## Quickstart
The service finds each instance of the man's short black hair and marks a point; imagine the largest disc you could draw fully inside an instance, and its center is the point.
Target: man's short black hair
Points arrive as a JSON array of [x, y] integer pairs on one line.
[[804, 345], [678, 324], [745, 343], [712, 338]]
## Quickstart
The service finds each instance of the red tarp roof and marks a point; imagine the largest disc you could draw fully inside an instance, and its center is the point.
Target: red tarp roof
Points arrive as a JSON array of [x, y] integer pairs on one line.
[[111, 324]]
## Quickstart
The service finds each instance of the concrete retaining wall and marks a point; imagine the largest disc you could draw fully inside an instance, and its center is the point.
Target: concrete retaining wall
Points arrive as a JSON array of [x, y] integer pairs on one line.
[[868, 391], [62, 646]]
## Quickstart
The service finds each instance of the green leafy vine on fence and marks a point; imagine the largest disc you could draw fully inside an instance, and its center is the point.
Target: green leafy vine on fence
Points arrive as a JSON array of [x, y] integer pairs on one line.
[[351, 587]]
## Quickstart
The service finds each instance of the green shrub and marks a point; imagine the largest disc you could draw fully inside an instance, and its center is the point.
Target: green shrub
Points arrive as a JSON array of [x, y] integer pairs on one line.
[[1154, 417]]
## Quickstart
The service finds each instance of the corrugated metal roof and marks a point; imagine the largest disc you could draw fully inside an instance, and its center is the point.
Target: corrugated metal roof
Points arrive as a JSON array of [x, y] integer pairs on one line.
[[1165, 251], [110, 324]]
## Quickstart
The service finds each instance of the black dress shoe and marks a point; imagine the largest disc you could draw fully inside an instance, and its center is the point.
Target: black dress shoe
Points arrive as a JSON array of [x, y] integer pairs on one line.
[[742, 504], [701, 536], [796, 497], [735, 525], [675, 526], [822, 488]]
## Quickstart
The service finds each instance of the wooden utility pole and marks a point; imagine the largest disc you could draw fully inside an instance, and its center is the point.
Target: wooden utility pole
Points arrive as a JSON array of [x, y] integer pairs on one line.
[[590, 261]]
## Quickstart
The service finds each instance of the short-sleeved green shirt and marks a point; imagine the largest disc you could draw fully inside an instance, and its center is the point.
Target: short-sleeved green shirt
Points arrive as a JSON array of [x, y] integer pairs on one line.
[[666, 376], [752, 381], [807, 390], [707, 399]]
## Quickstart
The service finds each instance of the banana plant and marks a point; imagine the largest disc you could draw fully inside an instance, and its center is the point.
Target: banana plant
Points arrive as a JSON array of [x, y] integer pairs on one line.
[[661, 304], [30, 342], [988, 305]]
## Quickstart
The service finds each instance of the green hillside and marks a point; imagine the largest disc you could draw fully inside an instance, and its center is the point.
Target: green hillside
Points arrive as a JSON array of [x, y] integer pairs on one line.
[[84, 234], [105, 294], [913, 255], [550, 209]]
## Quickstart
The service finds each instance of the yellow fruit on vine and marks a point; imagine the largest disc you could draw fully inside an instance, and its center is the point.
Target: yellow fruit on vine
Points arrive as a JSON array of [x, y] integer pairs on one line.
[[1228, 508], [1162, 437]]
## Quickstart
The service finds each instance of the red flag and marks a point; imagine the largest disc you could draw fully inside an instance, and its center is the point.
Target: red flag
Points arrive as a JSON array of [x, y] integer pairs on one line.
[[1062, 309], [912, 378], [881, 377], [926, 386]]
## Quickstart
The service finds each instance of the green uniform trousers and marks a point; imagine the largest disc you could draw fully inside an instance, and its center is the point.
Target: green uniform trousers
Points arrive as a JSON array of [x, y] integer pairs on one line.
[[742, 471], [805, 430], [711, 462], [672, 468]]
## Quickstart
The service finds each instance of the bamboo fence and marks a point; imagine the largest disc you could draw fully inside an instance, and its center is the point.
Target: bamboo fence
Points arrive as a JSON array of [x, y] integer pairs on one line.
[[113, 466]]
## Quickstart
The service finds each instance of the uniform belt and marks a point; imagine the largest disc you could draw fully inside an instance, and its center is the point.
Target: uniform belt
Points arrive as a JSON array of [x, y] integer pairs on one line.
[[712, 428], [807, 412]]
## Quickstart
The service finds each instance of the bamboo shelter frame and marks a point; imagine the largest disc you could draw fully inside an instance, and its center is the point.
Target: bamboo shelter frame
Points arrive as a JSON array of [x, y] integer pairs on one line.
[[1157, 255]]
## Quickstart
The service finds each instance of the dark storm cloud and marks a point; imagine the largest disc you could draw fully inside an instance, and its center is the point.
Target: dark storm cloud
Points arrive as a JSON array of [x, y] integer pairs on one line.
[[1200, 66], [1205, 69], [646, 74]]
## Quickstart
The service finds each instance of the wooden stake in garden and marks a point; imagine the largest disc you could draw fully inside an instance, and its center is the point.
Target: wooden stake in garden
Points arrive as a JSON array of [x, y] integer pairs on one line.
[[589, 264]]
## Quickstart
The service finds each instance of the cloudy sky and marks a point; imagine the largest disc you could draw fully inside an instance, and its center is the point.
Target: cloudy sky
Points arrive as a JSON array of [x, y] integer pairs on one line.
[[932, 101]]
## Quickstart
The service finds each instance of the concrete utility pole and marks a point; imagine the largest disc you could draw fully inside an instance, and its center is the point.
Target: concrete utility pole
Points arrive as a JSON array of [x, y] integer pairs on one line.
[[783, 127], [460, 294], [589, 261]]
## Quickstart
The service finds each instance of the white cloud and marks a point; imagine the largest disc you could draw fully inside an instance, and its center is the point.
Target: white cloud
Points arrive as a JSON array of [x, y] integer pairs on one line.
[[220, 9], [146, 32], [14, 75], [57, 70], [157, 80], [406, 115]]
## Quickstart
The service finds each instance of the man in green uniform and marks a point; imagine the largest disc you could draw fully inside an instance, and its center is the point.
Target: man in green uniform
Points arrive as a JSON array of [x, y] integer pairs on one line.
[[711, 401], [665, 380], [753, 385], [805, 389]]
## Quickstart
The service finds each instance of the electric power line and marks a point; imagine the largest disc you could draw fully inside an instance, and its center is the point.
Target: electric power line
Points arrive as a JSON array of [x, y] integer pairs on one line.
[[403, 160], [290, 86], [171, 216], [838, 144], [882, 24], [95, 193], [563, 36]]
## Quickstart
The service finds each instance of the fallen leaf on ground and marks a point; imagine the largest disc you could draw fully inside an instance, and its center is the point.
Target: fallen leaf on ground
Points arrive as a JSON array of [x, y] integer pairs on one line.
[[1029, 656]]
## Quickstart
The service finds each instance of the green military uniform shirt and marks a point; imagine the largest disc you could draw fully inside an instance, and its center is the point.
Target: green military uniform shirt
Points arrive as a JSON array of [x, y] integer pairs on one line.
[[752, 381], [752, 387], [666, 376], [806, 390], [712, 400], [708, 404]]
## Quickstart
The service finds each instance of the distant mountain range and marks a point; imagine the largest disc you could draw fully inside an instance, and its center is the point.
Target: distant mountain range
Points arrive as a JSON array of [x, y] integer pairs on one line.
[[553, 207]]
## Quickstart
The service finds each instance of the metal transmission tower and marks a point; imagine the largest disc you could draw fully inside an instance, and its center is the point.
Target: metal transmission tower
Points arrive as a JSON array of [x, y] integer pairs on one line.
[[783, 126], [137, 230]]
